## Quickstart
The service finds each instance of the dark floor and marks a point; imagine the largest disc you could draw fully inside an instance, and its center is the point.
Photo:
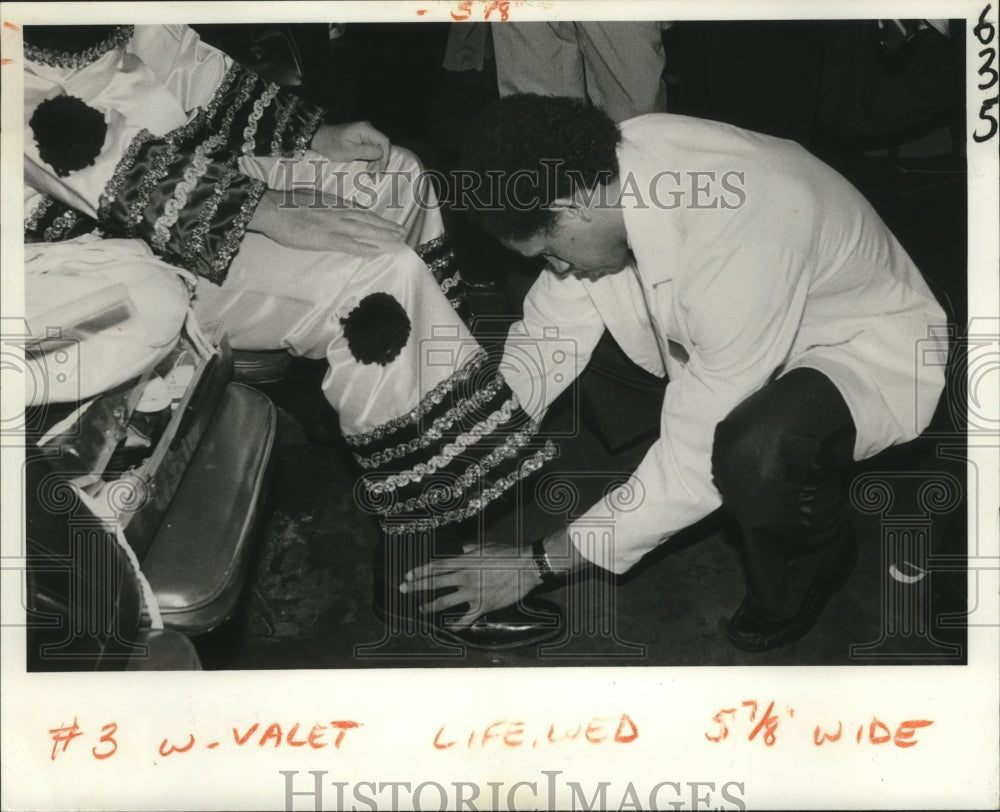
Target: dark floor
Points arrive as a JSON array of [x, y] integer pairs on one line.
[[309, 599]]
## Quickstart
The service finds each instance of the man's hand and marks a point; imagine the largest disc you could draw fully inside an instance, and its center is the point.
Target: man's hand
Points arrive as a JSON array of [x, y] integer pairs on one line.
[[357, 141], [487, 578], [293, 219], [490, 577]]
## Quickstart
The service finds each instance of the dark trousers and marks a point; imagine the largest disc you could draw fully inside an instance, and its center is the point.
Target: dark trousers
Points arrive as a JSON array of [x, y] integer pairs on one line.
[[779, 460]]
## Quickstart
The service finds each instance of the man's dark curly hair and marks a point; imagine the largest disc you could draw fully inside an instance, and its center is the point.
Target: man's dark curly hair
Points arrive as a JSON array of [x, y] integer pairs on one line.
[[526, 151]]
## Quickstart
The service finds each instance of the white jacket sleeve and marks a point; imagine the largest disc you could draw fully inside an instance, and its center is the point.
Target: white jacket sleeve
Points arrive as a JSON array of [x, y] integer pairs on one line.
[[550, 346], [742, 319]]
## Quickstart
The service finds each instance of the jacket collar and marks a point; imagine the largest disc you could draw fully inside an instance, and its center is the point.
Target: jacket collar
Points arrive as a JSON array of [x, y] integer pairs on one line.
[[654, 268]]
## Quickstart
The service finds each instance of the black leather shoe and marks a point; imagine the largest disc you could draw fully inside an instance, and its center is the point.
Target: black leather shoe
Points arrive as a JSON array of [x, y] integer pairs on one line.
[[529, 623], [748, 630]]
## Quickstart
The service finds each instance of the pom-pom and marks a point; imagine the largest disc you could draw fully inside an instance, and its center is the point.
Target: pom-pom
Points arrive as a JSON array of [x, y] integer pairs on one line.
[[377, 329], [70, 133]]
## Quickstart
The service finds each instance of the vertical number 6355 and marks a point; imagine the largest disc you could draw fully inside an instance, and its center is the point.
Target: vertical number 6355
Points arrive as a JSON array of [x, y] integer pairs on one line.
[[985, 32]]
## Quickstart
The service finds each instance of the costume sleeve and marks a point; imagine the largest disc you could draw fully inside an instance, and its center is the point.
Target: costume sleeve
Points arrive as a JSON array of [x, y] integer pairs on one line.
[[742, 319], [260, 118], [183, 198], [189, 68], [257, 116], [552, 343], [176, 192], [50, 220]]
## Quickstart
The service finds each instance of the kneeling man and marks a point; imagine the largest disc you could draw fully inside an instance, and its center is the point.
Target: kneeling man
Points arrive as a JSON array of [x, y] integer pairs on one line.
[[784, 313]]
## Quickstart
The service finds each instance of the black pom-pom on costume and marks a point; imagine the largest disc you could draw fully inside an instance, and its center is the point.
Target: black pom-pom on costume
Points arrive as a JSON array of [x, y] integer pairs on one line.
[[377, 329], [70, 133]]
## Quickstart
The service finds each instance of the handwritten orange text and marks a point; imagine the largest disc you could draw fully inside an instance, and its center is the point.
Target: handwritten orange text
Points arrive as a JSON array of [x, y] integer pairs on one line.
[[764, 727], [462, 11], [315, 736], [501, 6], [517, 733]]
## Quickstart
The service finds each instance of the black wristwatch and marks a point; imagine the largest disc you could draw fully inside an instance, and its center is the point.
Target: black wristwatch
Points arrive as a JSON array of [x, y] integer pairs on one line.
[[542, 564]]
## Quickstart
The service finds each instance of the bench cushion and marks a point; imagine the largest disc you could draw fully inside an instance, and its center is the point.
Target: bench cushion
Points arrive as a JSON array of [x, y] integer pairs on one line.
[[200, 556]]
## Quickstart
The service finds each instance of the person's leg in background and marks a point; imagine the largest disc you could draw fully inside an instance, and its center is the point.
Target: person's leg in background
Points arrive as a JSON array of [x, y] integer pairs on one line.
[[779, 461], [624, 64], [618, 66], [539, 57]]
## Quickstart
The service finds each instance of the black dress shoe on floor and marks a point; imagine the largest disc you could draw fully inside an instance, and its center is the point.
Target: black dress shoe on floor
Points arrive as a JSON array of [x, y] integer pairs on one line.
[[529, 623], [749, 630]]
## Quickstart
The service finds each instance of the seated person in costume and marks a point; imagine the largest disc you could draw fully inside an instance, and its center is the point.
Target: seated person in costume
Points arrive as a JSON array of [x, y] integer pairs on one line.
[[145, 146], [767, 290]]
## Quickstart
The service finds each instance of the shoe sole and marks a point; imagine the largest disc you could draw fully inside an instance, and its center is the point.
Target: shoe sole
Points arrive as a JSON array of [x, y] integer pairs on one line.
[[445, 635], [751, 645]]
